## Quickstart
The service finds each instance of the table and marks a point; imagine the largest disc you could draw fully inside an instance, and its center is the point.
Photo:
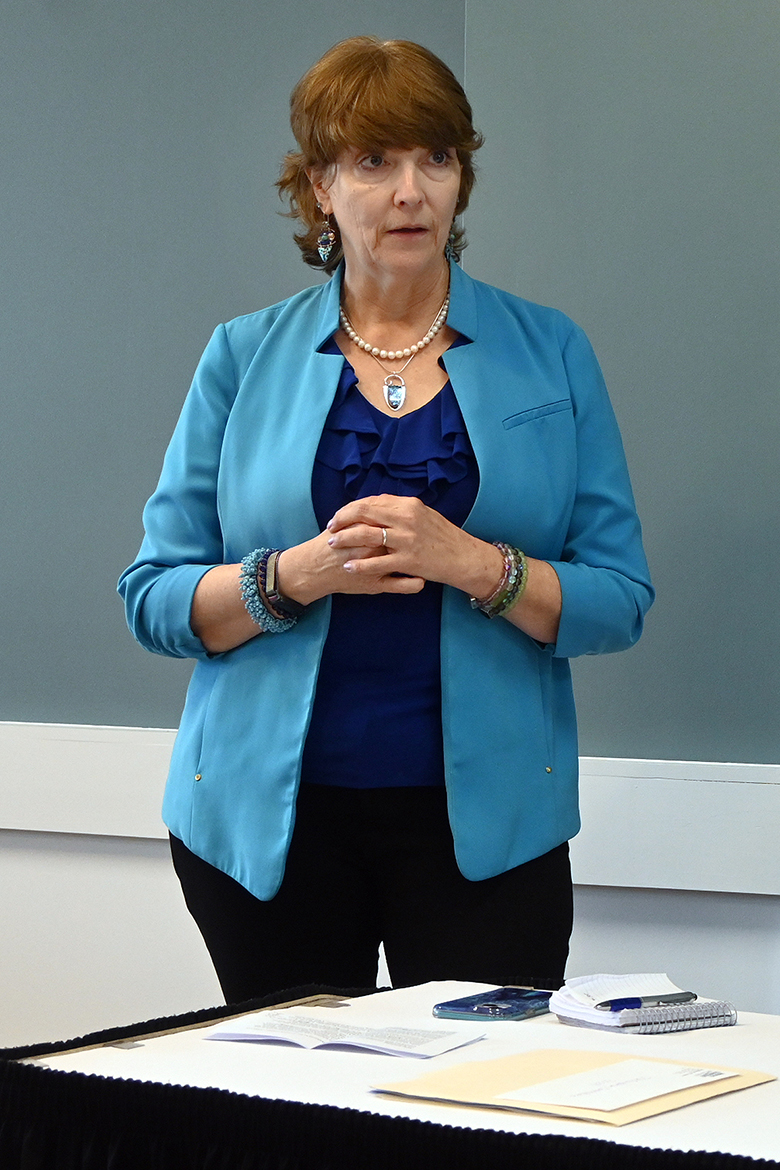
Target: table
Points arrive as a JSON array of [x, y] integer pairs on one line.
[[178, 1100]]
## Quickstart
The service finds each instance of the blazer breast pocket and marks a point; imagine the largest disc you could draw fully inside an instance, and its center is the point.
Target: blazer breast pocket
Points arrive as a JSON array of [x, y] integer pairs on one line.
[[517, 420]]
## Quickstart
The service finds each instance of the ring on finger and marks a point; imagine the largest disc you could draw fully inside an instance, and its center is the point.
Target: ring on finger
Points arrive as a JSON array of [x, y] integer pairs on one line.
[[384, 537]]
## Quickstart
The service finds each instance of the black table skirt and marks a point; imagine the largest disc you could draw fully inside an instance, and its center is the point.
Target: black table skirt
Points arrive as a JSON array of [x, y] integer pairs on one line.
[[51, 1120]]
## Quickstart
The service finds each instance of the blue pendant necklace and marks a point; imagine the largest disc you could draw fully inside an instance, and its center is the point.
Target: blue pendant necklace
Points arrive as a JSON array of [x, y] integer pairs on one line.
[[394, 386]]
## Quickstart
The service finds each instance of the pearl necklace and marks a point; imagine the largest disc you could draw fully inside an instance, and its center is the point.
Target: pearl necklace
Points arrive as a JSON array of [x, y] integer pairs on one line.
[[394, 387]]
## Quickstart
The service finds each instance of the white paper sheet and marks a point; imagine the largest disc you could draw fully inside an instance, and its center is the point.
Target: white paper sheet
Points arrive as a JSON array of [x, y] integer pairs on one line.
[[617, 1085], [593, 989]]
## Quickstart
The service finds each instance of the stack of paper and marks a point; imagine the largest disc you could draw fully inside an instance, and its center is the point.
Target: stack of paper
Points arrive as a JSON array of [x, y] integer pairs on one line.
[[578, 997], [636, 1003]]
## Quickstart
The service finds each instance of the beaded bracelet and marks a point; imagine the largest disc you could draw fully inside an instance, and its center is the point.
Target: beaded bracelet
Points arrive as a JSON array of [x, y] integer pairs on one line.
[[511, 586], [517, 579], [253, 570]]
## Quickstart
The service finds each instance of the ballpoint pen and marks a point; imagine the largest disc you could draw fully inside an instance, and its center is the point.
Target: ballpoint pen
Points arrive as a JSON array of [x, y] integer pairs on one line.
[[643, 1001]]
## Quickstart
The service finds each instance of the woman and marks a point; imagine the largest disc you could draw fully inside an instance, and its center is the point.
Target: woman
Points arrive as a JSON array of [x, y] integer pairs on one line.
[[352, 480]]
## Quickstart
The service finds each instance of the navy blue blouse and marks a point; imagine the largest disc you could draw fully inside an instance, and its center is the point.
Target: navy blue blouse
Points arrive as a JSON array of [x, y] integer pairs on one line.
[[376, 720]]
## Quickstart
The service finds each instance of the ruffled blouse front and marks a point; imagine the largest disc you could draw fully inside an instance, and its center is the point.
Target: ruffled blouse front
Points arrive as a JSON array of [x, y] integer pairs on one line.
[[376, 720], [364, 452]]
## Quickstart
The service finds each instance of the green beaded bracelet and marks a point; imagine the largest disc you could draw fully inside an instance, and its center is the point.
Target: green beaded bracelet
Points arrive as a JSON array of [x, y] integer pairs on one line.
[[511, 586]]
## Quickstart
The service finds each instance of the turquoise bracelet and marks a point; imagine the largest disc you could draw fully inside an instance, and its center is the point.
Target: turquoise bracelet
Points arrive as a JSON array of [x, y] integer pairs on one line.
[[252, 566]]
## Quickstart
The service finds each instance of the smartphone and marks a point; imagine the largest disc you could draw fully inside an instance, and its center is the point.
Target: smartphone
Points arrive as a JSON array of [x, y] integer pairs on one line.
[[505, 1003]]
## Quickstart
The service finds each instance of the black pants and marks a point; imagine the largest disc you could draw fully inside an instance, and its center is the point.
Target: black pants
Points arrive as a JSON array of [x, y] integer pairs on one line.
[[378, 865]]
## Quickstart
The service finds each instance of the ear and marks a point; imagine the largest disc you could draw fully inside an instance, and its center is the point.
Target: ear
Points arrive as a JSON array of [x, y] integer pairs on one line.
[[320, 180]]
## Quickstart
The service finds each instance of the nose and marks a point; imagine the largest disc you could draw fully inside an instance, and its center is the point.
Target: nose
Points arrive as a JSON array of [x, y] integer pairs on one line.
[[408, 189]]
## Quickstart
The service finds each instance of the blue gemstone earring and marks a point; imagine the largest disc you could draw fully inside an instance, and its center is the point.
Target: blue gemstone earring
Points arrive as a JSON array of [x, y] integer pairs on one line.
[[326, 239], [449, 247]]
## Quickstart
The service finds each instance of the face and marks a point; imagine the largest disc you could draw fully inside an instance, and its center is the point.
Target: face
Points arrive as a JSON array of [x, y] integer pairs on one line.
[[394, 207]]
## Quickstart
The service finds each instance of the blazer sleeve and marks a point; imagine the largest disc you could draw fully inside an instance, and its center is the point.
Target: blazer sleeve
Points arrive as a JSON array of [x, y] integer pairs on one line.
[[605, 580], [183, 537]]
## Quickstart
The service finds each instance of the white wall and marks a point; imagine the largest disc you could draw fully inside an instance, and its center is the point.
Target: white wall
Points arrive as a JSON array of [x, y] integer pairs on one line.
[[96, 932], [722, 945]]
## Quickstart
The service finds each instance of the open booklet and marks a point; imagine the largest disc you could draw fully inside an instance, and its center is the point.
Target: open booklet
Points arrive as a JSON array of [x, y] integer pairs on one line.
[[301, 1027]]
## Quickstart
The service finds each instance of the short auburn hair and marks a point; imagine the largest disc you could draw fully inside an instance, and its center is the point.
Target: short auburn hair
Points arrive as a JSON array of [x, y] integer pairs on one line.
[[368, 94]]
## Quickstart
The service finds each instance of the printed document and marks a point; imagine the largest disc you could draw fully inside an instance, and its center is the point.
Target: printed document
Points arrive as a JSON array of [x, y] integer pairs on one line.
[[299, 1026]]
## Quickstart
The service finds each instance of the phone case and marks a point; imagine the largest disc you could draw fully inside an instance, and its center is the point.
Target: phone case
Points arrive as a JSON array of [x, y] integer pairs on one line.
[[506, 1003]]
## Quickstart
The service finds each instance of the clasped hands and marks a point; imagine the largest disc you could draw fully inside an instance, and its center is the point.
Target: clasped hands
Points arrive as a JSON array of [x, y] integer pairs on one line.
[[353, 555]]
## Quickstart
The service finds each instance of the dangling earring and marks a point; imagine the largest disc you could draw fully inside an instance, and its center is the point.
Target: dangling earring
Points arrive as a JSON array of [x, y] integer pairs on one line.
[[449, 248], [326, 239]]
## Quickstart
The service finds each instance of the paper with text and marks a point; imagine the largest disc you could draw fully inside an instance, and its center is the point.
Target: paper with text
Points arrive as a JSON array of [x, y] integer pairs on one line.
[[617, 1085], [309, 1031]]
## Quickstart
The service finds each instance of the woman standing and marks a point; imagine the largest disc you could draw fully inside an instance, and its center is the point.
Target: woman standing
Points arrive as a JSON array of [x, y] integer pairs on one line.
[[359, 477]]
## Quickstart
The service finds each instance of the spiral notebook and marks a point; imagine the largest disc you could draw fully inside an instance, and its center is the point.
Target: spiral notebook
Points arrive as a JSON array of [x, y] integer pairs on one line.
[[576, 1003], [672, 1018]]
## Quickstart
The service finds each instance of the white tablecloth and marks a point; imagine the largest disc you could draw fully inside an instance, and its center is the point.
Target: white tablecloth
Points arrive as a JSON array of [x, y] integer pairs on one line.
[[745, 1122]]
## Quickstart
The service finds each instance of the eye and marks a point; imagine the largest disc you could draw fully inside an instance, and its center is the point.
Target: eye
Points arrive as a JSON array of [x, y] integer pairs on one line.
[[440, 157], [372, 162]]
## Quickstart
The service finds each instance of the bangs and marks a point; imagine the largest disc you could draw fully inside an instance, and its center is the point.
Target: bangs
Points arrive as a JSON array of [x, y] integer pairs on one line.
[[391, 95], [389, 120], [403, 133]]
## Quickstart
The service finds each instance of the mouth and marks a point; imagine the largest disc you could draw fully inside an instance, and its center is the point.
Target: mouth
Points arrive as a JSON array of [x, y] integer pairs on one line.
[[413, 230]]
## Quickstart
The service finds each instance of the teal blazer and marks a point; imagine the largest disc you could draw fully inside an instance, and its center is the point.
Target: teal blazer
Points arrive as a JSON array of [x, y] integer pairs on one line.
[[237, 476]]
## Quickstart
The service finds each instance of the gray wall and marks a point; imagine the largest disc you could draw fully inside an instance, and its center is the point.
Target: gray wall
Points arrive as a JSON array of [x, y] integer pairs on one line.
[[629, 178], [141, 141]]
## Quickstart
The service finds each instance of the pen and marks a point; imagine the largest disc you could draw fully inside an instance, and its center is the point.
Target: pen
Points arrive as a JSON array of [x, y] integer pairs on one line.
[[643, 1001]]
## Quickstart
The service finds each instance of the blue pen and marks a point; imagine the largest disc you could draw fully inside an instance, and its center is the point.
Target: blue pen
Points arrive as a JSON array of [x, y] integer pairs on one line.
[[643, 1001]]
